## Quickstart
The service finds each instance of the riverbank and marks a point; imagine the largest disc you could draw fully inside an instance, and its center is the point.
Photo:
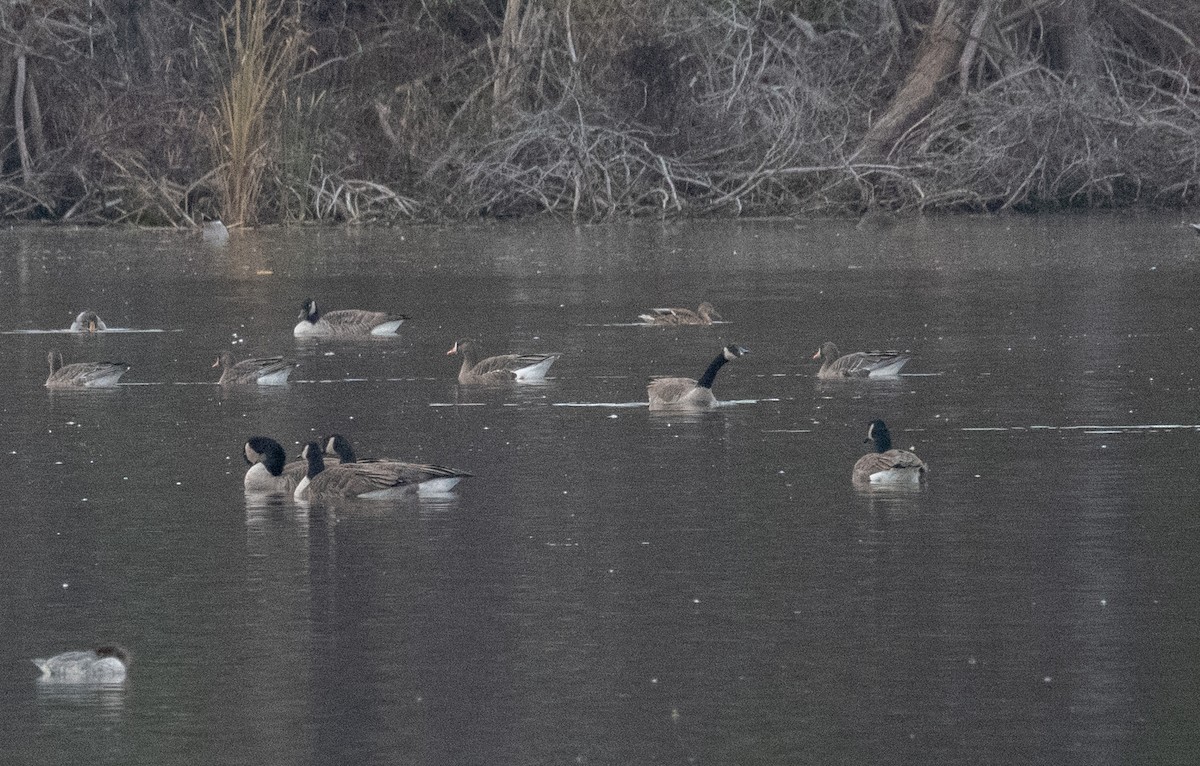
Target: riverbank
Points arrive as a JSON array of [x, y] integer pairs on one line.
[[266, 112]]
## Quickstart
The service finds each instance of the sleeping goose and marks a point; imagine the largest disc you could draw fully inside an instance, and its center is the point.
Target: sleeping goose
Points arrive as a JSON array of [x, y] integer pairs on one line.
[[88, 321], [886, 465], [499, 369], [266, 458], [270, 371], [106, 663], [374, 481], [860, 364], [687, 393], [427, 477], [704, 314], [345, 323], [83, 374]]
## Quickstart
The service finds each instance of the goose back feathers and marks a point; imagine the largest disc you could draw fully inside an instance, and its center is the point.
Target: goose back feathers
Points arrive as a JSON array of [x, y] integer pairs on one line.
[[689, 393], [887, 465], [499, 369], [376, 481], [428, 478], [83, 374], [704, 314], [345, 323], [103, 664], [269, 371], [860, 364]]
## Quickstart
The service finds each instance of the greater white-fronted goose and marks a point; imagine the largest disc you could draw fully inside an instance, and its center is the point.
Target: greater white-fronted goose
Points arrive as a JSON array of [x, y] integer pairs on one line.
[[345, 323], [860, 364], [103, 664], [886, 465], [88, 321], [374, 481], [499, 369], [270, 371], [83, 374], [689, 393], [267, 458], [704, 314], [429, 478]]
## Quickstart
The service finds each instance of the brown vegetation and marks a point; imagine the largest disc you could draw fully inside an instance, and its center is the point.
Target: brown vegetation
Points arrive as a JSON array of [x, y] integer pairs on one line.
[[159, 111]]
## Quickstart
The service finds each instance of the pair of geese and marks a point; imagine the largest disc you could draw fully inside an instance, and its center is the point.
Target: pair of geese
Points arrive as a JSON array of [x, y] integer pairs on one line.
[[334, 471]]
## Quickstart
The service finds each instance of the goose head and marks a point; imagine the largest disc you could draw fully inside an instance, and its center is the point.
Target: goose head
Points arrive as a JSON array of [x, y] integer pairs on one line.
[[878, 433], [224, 359], [461, 345], [733, 351], [309, 311], [706, 312], [88, 321], [117, 652], [339, 445], [313, 455], [265, 450], [827, 351], [55, 359]]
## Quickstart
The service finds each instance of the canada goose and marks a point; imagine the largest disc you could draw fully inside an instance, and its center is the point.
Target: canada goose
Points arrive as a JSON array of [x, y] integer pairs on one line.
[[704, 314], [886, 465], [427, 477], [860, 364], [83, 374], [106, 663], [88, 321], [271, 371], [498, 369], [266, 458], [374, 481], [687, 393], [347, 323]]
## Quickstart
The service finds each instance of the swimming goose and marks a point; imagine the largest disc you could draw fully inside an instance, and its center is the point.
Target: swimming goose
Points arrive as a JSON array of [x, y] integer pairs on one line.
[[266, 458], [688, 393], [270, 371], [374, 481], [860, 364], [498, 369], [346, 323], [886, 465], [107, 663], [427, 477], [704, 314], [88, 321], [83, 374]]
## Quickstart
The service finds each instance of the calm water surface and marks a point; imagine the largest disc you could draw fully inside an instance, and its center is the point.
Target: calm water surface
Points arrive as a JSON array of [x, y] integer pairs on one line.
[[615, 587]]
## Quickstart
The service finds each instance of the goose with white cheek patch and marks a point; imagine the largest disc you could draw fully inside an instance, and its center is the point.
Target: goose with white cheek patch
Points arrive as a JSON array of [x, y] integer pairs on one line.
[[269, 371], [689, 393], [428, 478], [266, 475], [105, 664], [860, 364], [704, 314], [887, 465], [344, 323], [88, 321], [372, 481], [83, 374], [522, 368]]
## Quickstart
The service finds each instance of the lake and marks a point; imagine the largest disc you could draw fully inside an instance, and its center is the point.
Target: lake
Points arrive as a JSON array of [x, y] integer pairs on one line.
[[614, 586]]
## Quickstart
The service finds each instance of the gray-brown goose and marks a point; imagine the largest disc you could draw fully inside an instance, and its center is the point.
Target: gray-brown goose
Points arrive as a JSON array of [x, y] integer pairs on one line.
[[344, 323], [83, 374], [689, 393], [499, 369], [374, 481], [428, 478], [269, 371], [887, 465], [266, 474], [704, 314], [860, 364]]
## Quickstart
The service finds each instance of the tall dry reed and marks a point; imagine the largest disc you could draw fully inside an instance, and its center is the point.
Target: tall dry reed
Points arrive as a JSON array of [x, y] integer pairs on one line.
[[262, 44]]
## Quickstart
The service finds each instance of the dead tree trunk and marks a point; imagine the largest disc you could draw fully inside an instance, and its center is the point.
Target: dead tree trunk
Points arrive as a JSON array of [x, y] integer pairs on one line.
[[1069, 47], [936, 62]]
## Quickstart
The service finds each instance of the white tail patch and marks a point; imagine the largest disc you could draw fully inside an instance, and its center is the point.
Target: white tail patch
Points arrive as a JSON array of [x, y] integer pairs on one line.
[[387, 328], [535, 371]]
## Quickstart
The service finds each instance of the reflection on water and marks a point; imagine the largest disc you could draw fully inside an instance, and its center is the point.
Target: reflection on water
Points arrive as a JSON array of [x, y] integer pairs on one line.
[[614, 585]]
